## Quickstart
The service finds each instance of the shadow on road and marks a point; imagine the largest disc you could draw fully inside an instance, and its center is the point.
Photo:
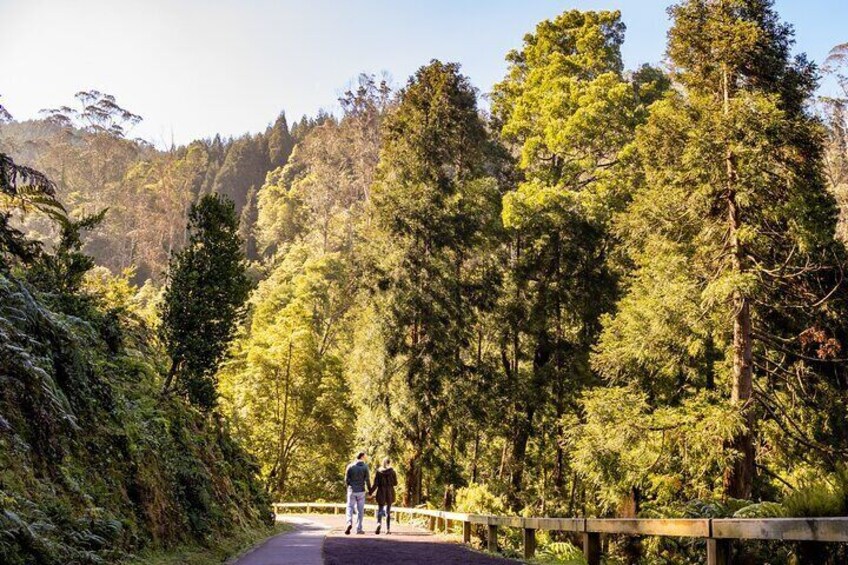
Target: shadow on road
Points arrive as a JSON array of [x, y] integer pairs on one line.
[[408, 549]]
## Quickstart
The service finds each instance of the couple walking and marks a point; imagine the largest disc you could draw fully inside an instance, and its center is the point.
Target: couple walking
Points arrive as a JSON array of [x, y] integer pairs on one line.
[[358, 481]]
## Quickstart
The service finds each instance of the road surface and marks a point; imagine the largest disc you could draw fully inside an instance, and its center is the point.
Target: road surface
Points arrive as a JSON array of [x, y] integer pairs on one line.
[[320, 540]]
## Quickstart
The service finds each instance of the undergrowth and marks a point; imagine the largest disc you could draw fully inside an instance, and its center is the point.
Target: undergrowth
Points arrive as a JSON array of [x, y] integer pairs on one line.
[[95, 463], [220, 550]]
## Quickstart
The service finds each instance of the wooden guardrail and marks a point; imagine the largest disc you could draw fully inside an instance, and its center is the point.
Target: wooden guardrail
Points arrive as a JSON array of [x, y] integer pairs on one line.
[[718, 532]]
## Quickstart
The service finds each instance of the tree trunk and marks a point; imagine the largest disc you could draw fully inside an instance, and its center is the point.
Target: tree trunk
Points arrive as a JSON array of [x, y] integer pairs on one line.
[[738, 481], [630, 507], [169, 379], [519, 451], [476, 455], [559, 465], [412, 494]]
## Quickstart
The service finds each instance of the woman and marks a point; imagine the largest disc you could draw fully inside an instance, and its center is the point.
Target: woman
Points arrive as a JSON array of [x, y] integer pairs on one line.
[[384, 484]]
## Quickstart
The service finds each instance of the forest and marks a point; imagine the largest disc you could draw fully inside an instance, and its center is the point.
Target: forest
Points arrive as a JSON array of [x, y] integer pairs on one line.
[[593, 291]]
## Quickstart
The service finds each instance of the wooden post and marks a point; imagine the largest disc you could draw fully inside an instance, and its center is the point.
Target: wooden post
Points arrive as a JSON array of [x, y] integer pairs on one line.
[[493, 538], [592, 547], [718, 551], [308, 509], [529, 543], [432, 523], [440, 523], [466, 532]]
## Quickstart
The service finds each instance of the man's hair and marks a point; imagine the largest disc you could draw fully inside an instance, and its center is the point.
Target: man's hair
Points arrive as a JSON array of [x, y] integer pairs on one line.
[[360, 455]]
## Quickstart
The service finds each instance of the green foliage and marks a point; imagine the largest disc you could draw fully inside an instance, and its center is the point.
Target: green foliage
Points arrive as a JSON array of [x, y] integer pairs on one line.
[[88, 152], [285, 387], [764, 510], [729, 222], [219, 550], [62, 271], [567, 108], [621, 296], [291, 385], [819, 498], [476, 498], [561, 553], [204, 299], [93, 463], [21, 187], [624, 445], [430, 203]]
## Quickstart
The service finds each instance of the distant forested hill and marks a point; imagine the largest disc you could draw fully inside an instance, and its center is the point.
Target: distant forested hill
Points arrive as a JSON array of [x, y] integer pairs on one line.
[[147, 191]]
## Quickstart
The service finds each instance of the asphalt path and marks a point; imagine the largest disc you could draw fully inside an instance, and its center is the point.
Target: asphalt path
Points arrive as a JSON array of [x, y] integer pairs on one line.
[[319, 539]]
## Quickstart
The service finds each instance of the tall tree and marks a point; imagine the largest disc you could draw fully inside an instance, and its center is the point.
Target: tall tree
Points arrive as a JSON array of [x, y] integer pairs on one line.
[[204, 299], [280, 142], [425, 200], [734, 224], [569, 112], [291, 385]]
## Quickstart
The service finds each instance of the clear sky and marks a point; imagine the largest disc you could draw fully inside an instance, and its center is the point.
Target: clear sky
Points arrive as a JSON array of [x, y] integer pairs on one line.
[[192, 68]]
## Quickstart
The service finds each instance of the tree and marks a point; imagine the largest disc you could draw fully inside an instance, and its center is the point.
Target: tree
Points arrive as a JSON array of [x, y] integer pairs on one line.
[[21, 187], [245, 166], [731, 232], [326, 181], [285, 387], [87, 152], [291, 387], [430, 182], [835, 115], [569, 112], [97, 113], [204, 299], [280, 142]]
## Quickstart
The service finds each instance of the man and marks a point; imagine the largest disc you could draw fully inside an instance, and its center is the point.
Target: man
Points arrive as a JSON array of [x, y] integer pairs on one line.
[[358, 483]]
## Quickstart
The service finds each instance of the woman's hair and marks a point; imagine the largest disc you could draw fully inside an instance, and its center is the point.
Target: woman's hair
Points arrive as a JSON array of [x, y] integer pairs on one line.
[[386, 462]]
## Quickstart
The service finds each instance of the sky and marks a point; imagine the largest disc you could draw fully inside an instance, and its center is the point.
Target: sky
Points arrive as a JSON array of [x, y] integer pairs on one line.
[[193, 68]]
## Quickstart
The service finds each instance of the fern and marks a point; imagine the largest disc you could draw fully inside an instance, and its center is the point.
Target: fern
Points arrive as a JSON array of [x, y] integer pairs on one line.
[[562, 553]]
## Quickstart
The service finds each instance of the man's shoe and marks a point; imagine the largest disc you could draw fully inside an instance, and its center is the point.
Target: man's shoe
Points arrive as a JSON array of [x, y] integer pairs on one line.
[[347, 530], [377, 531], [360, 532]]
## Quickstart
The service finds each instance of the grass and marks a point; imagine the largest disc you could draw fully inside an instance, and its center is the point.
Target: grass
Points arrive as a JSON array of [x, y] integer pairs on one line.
[[214, 554]]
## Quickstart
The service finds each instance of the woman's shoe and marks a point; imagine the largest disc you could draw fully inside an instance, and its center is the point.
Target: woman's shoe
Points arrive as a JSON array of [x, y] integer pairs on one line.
[[377, 531]]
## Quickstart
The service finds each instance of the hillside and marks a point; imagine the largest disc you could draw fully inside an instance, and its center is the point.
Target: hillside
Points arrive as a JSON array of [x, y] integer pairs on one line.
[[95, 462]]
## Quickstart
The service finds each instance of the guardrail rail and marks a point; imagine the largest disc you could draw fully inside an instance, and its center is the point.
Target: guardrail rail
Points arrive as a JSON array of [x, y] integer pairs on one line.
[[718, 532]]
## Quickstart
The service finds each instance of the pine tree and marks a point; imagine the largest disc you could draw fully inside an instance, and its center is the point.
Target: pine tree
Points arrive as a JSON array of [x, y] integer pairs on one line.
[[204, 299], [247, 225], [732, 232], [425, 199], [280, 142]]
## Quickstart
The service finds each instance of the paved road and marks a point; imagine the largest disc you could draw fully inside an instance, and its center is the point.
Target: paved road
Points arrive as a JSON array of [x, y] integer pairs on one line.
[[301, 546], [320, 540]]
